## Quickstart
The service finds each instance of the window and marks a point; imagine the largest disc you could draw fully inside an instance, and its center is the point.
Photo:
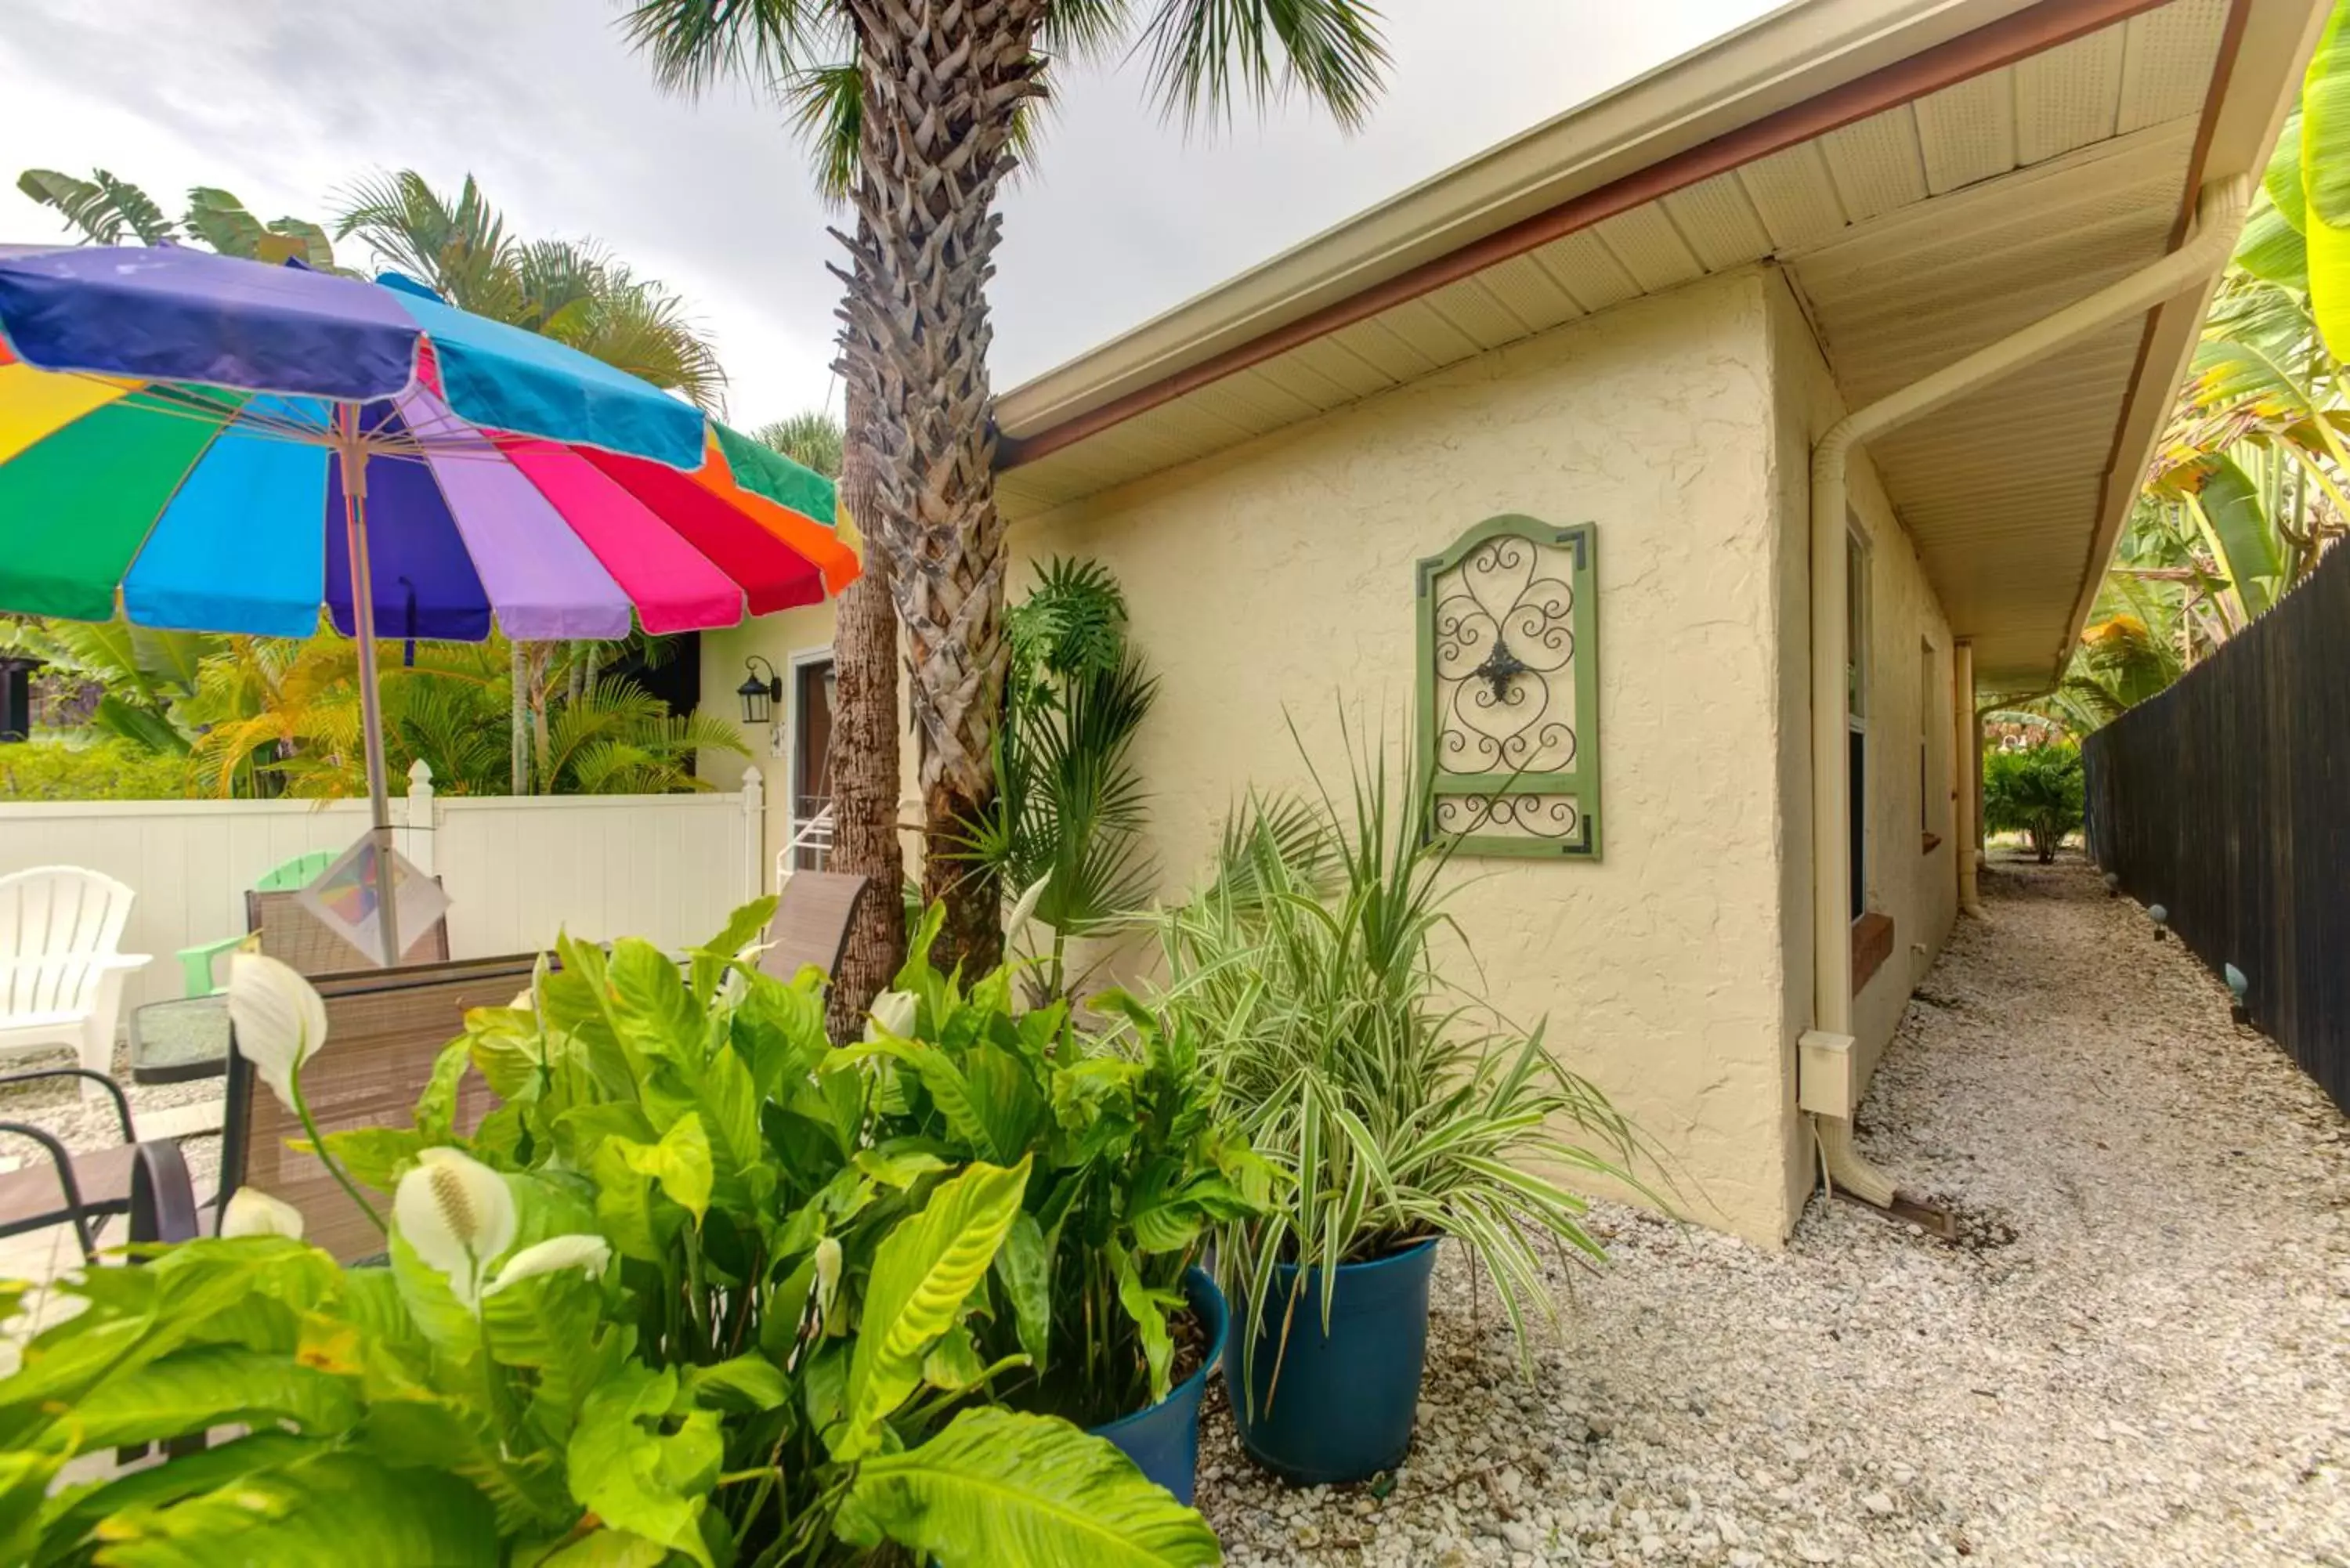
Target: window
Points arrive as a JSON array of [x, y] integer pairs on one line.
[[1509, 689], [1927, 729], [1856, 625]]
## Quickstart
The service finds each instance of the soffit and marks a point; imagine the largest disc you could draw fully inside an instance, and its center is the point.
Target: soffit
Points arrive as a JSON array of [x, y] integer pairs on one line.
[[2150, 73]]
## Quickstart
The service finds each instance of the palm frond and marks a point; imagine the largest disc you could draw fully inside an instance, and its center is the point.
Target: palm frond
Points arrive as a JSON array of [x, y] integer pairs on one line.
[[101, 207], [695, 45], [825, 105], [1206, 54], [811, 439]]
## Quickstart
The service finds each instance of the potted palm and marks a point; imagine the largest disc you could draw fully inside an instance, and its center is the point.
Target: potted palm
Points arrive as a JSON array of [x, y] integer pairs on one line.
[[1097, 1294], [1398, 1110]]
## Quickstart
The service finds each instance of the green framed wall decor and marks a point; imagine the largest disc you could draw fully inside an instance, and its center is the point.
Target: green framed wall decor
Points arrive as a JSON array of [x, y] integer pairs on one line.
[[1508, 689]]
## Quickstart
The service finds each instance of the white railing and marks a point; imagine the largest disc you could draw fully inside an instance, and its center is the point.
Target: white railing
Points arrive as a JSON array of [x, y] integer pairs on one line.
[[517, 869], [815, 837]]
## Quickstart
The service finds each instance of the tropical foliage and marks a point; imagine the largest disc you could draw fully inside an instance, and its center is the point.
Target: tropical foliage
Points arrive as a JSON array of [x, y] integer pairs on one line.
[[1130, 1165], [109, 210], [1395, 1104], [2037, 791], [263, 717], [1068, 811], [675, 1301], [565, 289], [102, 770], [2247, 489], [811, 438], [917, 119]]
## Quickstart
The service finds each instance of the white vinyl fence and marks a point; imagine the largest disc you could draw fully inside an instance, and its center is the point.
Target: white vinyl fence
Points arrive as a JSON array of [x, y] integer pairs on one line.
[[517, 869]]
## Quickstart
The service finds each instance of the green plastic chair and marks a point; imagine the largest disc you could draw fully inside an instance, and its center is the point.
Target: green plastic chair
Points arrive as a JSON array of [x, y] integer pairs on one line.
[[196, 962]]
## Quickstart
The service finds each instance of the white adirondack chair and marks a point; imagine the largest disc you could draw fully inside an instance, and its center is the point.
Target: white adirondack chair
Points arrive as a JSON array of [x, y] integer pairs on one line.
[[61, 971]]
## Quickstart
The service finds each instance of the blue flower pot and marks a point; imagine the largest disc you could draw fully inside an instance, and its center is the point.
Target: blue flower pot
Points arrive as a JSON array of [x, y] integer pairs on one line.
[[1163, 1440], [1342, 1408]]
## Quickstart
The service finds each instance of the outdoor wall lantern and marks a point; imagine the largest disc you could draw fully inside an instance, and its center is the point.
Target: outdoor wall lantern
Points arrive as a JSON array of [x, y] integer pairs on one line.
[[759, 697]]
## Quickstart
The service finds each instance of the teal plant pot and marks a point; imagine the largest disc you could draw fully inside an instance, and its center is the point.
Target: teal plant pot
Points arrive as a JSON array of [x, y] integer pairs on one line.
[[1343, 1406], [1163, 1440]]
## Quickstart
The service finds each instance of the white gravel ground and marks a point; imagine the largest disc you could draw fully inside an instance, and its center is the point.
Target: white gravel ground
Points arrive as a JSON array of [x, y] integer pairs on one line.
[[2139, 1354]]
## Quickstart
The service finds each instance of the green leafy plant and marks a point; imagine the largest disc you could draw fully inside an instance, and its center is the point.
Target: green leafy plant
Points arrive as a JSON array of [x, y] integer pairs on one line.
[[2037, 791], [1131, 1165], [106, 770], [670, 1304], [1068, 812], [1395, 1106]]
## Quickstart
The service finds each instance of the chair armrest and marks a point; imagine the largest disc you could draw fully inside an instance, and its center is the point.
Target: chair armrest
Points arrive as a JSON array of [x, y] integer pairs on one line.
[[163, 1197], [104, 962], [121, 1105], [62, 1158], [196, 964]]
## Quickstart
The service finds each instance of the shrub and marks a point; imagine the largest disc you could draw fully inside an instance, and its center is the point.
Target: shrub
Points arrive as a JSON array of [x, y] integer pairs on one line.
[[668, 1304], [1132, 1164], [104, 770], [1395, 1104], [2037, 791]]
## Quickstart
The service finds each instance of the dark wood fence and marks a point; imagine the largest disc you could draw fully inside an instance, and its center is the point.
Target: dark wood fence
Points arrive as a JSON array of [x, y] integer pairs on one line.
[[2226, 800]]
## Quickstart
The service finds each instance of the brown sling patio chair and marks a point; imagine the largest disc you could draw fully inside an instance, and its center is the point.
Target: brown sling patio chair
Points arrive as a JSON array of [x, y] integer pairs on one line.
[[812, 920], [294, 936], [84, 1189], [384, 1029]]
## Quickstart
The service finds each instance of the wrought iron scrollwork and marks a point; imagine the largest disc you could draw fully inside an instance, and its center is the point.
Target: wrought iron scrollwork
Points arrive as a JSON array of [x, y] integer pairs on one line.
[[1504, 640], [1551, 817], [1508, 687]]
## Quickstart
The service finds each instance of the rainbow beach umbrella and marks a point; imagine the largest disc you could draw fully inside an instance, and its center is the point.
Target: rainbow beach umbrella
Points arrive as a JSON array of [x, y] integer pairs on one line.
[[206, 443]]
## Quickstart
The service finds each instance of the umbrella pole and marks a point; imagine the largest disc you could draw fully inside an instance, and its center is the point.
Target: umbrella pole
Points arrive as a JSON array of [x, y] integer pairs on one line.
[[352, 455]]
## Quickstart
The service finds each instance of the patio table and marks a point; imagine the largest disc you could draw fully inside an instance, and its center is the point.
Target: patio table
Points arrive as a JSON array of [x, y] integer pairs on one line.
[[176, 1042]]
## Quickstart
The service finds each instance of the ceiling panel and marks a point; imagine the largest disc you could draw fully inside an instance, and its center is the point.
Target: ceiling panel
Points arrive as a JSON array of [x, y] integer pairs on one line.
[[2167, 61], [1794, 194], [1968, 131], [1718, 222], [1650, 248], [2069, 97], [1877, 162], [1588, 270]]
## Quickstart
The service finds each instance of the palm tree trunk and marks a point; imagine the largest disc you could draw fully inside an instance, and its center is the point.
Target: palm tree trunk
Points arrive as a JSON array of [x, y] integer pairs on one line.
[[865, 752], [942, 79], [519, 738]]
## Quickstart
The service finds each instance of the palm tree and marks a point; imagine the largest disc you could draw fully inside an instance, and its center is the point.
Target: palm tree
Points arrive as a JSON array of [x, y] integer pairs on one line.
[[563, 289], [864, 741], [942, 91], [105, 211]]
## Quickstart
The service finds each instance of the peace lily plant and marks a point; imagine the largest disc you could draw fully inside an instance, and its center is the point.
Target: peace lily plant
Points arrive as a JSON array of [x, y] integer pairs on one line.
[[675, 1300]]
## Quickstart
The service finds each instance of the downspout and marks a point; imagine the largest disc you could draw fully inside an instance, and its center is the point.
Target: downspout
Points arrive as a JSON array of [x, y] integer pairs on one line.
[[1966, 733], [2219, 212]]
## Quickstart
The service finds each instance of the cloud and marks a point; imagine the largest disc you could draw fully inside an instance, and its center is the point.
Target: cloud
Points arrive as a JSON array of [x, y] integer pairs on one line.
[[286, 103]]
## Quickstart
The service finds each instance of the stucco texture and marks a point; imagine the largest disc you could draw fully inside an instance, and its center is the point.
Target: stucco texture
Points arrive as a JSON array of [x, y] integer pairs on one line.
[[1908, 706], [1273, 584]]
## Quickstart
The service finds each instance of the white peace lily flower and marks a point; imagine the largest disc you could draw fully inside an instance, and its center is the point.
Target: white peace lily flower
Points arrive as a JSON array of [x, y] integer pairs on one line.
[[591, 1255], [279, 1019], [827, 1277], [525, 1001], [253, 1212], [1024, 909], [458, 1214], [893, 1013]]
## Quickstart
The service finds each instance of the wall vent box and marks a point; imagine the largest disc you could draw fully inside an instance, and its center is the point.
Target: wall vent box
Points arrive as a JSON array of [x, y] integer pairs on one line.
[[1824, 1073]]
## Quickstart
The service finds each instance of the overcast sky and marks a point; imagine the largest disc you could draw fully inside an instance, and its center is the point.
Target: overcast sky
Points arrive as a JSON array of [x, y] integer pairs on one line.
[[284, 102]]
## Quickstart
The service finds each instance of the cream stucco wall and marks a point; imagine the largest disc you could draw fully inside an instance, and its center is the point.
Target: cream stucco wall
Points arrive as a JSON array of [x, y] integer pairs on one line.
[[1910, 655], [1273, 583]]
